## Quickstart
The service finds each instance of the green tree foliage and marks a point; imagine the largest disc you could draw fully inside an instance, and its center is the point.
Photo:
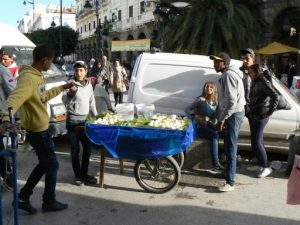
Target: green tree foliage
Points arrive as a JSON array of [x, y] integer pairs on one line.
[[210, 26], [51, 36]]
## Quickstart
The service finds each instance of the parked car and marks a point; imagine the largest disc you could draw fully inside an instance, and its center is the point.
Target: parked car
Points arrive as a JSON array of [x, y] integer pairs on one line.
[[295, 88], [172, 81], [23, 48], [69, 70]]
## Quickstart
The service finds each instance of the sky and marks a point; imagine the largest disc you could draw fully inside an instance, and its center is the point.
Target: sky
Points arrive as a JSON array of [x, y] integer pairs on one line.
[[14, 10]]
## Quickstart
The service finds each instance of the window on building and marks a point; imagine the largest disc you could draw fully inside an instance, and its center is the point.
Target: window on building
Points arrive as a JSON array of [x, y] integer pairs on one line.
[[142, 7], [80, 29], [130, 11], [89, 26], [119, 15], [94, 24], [84, 28], [105, 19]]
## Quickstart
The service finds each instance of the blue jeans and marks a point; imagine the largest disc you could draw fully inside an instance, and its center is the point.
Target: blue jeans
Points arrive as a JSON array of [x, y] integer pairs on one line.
[[75, 135], [44, 148], [211, 134], [232, 130], [257, 140]]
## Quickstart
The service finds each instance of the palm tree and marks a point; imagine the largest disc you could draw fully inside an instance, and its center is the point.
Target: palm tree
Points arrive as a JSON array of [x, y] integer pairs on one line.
[[211, 26]]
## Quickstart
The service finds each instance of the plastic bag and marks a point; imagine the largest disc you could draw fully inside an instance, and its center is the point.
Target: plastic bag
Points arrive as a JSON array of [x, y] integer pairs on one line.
[[293, 186]]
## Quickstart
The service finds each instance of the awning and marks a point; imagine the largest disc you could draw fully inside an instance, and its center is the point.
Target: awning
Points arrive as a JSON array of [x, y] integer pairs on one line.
[[276, 48], [130, 45]]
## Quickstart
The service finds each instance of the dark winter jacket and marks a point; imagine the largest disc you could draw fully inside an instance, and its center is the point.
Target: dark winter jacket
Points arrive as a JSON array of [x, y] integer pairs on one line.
[[263, 97]]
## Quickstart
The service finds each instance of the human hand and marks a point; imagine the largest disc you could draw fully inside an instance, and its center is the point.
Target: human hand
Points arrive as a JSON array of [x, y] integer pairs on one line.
[[4, 126], [68, 85], [266, 114], [220, 126], [72, 91]]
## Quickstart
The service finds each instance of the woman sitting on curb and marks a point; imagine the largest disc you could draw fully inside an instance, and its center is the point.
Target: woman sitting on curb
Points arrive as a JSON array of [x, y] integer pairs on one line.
[[203, 111]]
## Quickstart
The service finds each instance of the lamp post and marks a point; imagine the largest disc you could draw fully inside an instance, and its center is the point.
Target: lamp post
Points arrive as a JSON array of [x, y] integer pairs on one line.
[[163, 13], [32, 3], [98, 32], [60, 31]]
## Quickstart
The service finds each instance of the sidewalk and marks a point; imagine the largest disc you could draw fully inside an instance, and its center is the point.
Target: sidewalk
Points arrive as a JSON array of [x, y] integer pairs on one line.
[[123, 202]]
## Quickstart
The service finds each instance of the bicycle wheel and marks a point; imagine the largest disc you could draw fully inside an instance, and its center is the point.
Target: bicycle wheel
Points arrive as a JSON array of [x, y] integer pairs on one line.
[[179, 159], [157, 175]]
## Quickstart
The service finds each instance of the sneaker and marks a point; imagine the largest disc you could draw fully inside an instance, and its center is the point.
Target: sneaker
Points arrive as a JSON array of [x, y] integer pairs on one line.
[[89, 179], [226, 188], [25, 205], [254, 168], [265, 172], [216, 169], [197, 166], [53, 206], [78, 181]]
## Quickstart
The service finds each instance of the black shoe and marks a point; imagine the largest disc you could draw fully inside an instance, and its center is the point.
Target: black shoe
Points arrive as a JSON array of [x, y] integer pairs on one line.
[[25, 205], [53, 206], [89, 179]]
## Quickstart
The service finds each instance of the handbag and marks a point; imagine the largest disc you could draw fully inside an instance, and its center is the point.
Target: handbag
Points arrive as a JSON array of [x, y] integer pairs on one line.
[[283, 103], [293, 186]]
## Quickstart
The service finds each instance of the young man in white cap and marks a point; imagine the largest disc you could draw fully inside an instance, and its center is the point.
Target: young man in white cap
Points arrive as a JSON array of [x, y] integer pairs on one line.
[[231, 113], [80, 102]]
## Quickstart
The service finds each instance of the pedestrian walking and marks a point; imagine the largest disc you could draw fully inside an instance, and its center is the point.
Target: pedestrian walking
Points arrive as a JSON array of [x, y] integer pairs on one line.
[[118, 82], [29, 98], [106, 73], [230, 114]]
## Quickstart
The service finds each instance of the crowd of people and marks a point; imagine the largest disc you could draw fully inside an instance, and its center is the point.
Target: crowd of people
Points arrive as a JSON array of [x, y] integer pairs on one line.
[[245, 91]]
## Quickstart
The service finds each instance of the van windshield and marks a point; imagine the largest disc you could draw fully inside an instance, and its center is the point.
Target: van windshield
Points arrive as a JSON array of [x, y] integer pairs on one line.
[[23, 56]]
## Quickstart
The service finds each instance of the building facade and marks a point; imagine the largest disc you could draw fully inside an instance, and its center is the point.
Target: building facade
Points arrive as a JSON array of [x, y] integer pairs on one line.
[[133, 19], [44, 15], [119, 20]]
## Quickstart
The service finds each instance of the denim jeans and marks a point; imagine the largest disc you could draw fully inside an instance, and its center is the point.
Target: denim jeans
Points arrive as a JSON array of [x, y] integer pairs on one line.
[[232, 129], [211, 134], [77, 135], [257, 140], [43, 145]]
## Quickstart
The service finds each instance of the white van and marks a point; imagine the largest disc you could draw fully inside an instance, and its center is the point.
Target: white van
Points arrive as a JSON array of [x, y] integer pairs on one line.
[[23, 47], [171, 82]]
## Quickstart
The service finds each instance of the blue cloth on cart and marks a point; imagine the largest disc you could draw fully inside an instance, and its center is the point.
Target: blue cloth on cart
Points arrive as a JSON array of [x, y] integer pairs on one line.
[[139, 142]]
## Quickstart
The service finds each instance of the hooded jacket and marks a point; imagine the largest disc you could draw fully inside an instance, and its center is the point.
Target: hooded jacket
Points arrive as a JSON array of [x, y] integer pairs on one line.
[[232, 93], [83, 103], [30, 98]]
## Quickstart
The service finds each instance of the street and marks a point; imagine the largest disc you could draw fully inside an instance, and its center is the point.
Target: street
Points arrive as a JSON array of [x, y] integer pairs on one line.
[[123, 202]]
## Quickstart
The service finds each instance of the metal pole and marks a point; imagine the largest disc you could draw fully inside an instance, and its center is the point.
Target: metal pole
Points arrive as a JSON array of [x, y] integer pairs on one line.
[[97, 30], [60, 30], [33, 15]]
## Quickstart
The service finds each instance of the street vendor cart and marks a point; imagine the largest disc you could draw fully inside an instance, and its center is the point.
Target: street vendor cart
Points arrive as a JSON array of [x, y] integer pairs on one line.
[[155, 170]]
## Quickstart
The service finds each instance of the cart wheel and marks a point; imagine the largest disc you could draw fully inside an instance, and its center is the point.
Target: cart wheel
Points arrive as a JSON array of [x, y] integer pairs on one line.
[[179, 159], [157, 175]]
